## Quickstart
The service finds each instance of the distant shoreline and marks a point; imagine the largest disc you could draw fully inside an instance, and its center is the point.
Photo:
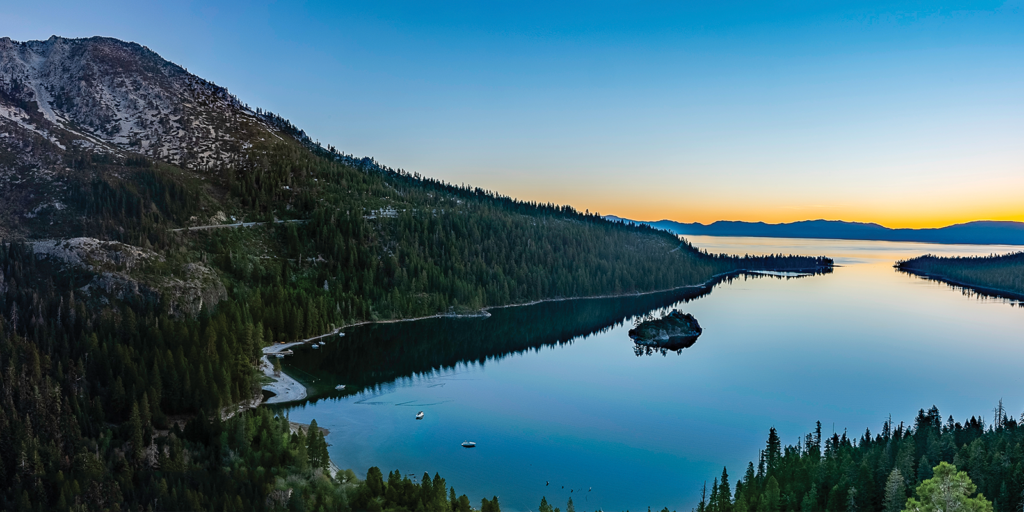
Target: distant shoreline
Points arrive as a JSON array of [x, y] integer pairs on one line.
[[970, 233]]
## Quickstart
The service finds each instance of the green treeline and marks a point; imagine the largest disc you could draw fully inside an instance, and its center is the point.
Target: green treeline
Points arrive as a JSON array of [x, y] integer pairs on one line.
[[995, 273], [878, 471], [392, 245], [400, 493]]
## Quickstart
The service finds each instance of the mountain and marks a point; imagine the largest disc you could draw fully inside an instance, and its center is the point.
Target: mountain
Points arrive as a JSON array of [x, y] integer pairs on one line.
[[156, 233], [979, 232], [67, 103]]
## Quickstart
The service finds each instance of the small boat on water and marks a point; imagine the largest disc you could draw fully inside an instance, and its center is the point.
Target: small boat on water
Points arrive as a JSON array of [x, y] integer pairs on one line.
[[316, 346], [419, 415], [279, 356], [341, 334], [468, 444], [339, 387]]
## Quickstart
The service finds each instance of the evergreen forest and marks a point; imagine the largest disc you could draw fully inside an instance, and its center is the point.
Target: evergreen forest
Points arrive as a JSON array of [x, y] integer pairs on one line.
[[116, 400], [886, 471], [1001, 275]]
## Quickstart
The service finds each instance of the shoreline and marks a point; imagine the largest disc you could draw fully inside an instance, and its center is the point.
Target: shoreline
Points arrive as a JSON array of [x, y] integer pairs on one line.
[[285, 388], [292, 391], [983, 290]]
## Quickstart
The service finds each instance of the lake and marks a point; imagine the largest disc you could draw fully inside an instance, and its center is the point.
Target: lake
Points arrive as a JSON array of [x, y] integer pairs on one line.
[[557, 392]]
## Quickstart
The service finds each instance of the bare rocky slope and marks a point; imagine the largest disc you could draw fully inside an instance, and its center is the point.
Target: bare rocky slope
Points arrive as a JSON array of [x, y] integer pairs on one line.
[[68, 101], [114, 96]]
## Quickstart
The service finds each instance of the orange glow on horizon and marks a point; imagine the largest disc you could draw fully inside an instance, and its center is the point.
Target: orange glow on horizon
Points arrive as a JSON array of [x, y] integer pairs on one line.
[[915, 200], [891, 214], [895, 222]]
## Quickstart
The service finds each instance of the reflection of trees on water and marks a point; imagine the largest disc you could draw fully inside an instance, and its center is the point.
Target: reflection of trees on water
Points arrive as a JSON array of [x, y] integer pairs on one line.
[[677, 345], [379, 353], [649, 350], [970, 291]]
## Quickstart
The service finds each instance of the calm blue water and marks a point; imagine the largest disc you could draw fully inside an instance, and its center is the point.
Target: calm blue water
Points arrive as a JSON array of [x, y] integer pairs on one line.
[[555, 392]]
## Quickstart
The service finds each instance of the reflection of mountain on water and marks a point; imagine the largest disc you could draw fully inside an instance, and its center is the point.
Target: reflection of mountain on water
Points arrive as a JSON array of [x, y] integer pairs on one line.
[[645, 345], [378, 353]]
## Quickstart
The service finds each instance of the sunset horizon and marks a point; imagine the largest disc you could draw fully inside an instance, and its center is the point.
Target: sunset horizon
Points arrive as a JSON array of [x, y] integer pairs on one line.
[[352, 255]]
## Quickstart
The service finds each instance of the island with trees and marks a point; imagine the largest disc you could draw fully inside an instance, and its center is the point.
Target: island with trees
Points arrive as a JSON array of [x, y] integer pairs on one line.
[[672, 331]]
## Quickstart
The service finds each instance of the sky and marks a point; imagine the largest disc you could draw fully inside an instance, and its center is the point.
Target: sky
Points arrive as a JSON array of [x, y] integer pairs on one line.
[[909, 114]]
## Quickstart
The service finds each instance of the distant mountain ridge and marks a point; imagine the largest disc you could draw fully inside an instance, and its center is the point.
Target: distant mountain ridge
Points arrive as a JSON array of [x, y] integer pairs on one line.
[[985, 232]]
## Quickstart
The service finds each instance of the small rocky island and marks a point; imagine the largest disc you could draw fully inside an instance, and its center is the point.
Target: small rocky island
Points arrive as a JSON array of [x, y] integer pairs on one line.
[[674, 331]]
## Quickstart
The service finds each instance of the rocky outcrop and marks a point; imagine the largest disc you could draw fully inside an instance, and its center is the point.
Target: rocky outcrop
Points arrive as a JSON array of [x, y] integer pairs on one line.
[[121, 271], [95, 255], [199, 286]]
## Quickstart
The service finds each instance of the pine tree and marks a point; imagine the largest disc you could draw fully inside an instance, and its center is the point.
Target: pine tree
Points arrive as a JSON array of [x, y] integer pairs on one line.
[[375, 481], [313, 446], [426, 489], [924, 469], [810, 501], [713, 505], [749, 483], [895, 492], [771, 495], [724, 493], [773, 451], [439, 503], [544, 506], [324, 456], [135, 427]]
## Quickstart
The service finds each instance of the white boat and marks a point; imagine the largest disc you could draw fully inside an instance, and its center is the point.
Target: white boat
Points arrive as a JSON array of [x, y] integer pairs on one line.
[[341, 334], [419, 415], [316, 346], [280, 356], [468, 444], [339, 387]]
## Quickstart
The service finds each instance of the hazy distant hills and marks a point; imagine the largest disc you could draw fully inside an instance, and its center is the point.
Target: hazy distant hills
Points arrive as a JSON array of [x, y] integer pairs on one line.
[[980, 232]]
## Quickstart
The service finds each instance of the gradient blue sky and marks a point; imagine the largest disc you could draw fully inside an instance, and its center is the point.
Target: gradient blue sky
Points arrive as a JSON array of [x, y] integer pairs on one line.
[[905, 113]]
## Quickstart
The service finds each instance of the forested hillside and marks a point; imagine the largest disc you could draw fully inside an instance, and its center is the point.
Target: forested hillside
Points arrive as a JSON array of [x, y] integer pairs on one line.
[[107, 349], [995, 274], [878, 471]]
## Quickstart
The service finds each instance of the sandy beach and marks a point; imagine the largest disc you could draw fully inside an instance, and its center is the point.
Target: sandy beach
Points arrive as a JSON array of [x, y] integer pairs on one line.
[[285, 388]]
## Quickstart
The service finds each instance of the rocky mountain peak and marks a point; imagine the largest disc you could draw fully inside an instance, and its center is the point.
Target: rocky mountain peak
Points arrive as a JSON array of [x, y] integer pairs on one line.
[[109, 95], [65, 100]]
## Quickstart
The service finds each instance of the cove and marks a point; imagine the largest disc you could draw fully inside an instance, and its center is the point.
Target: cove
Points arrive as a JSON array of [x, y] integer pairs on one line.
[[557, 392]]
